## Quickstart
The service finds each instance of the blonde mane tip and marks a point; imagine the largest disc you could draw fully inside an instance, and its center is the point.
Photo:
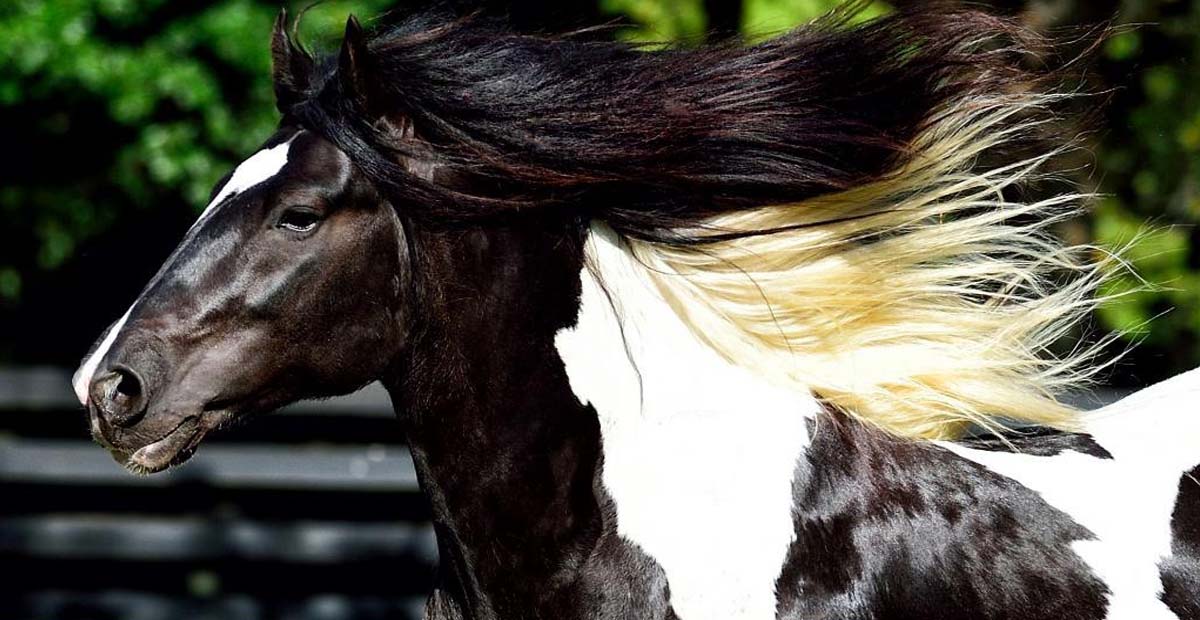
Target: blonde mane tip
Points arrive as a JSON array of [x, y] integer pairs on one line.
[[924, 303]]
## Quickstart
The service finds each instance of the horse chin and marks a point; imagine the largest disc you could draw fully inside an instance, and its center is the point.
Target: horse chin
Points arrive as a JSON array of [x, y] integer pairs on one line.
[[172, 449]]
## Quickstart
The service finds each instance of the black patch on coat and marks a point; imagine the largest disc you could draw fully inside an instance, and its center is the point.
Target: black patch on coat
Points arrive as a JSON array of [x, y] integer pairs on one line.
[[1038, 441], [1181, 572], [893, 529]]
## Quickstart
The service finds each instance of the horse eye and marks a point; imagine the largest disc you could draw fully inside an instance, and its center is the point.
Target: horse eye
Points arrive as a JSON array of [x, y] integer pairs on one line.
[[299, 220]]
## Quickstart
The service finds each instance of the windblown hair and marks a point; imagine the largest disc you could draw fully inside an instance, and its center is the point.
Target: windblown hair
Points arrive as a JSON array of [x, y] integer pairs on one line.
[[841, 208]]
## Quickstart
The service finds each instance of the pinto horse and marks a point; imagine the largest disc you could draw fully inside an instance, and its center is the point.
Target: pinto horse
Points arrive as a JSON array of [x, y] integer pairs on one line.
[[685, 333]]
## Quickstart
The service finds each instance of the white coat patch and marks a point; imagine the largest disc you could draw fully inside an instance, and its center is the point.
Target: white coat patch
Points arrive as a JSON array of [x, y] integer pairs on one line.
[[258, 168], [698, 453], [1126, 501]]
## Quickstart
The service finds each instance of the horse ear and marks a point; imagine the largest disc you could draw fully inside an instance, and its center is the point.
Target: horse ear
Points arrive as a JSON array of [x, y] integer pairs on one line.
[[354, 71], [291, 66], [352, 63]]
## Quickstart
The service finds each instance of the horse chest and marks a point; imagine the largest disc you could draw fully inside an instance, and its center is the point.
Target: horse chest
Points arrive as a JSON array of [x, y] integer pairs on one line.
[[698, 455], [711, 506]]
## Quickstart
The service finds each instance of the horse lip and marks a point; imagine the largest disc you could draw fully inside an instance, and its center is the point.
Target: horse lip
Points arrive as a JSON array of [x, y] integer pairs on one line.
[[98, 429], [172, 449]]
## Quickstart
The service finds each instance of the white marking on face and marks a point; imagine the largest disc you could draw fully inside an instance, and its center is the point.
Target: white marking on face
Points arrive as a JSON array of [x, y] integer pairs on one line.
[[258, 168], [1126, 501], [699, 454], [83, 377]]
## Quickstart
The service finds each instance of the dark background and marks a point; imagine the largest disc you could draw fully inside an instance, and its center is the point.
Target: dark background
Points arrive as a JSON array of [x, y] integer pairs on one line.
[[118, 116]]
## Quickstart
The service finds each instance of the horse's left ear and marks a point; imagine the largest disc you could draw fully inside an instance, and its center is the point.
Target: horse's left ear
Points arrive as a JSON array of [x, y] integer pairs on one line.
[[354, 72], [353, 64]]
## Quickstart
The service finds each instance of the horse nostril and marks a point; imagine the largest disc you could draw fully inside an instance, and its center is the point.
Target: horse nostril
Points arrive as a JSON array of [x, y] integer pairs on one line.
[[128, 387], [119, 396]]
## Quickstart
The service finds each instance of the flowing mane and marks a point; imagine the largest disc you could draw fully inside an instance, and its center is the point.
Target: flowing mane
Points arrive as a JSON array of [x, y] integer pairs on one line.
[[842, 208]]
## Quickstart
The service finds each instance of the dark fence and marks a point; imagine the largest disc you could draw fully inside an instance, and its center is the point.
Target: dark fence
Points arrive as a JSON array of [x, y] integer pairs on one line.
[[311, 513]]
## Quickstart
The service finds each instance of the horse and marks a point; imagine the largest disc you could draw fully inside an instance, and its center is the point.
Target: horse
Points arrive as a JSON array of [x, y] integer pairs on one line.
[[734, 331]]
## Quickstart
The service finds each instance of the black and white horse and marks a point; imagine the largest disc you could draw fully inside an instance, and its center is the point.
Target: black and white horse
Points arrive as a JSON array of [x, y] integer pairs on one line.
[[687, 333]]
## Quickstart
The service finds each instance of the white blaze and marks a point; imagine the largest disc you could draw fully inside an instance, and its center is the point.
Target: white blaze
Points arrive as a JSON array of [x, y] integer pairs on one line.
[[258, 168]]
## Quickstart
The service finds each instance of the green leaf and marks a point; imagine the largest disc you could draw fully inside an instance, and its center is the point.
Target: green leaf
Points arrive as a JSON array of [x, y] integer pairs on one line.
[[660, 21], [767, 17], [1123, 46]]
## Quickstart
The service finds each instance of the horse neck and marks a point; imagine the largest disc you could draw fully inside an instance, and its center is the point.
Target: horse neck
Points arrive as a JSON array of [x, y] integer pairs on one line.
[[517, 335], [506, 453]]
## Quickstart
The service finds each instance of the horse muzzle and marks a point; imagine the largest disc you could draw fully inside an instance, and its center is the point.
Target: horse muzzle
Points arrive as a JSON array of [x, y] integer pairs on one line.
[[130, 414], [145, 451]]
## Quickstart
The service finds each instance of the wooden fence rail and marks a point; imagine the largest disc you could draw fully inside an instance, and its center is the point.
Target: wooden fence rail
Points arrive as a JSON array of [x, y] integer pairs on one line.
[[311, 513]]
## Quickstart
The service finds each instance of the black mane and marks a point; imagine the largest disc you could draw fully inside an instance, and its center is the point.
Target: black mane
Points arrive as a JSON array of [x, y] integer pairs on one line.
[[656, 141]]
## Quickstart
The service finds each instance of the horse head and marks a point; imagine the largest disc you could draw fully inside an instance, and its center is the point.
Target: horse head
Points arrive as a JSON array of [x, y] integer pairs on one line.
[[290, 285]]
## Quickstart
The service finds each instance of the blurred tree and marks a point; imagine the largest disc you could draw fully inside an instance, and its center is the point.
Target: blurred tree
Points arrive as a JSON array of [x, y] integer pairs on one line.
[[120, 109], [129, 111], [660, 21], [1149, 169], [166, 96]]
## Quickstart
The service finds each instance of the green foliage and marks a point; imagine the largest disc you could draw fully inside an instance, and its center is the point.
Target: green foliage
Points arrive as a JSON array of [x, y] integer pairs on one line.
[[1149, 165], [112, 107], [765, 17], [661, 21], [147, 104], [1160, 255]]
